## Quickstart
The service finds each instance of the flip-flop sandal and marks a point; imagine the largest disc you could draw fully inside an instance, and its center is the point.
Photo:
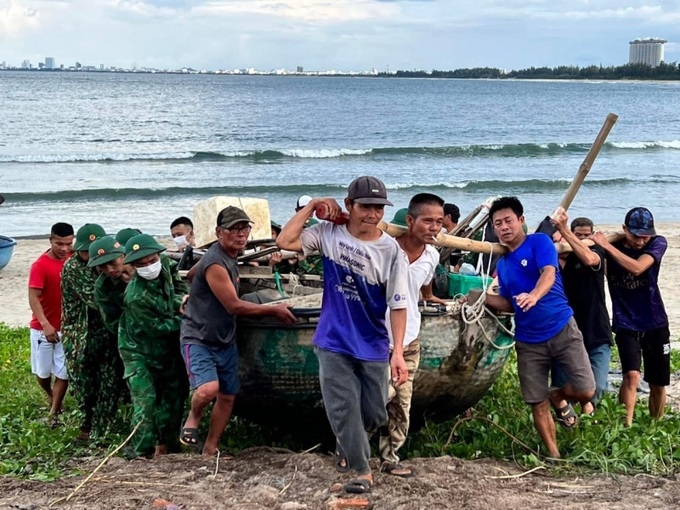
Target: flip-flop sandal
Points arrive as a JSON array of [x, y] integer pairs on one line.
[[564, 414], [189, 437], [396, 469], [357, 486], [341, 464]]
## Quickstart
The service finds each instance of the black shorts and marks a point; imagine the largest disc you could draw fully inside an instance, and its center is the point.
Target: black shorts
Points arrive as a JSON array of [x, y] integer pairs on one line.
[[653, 346]]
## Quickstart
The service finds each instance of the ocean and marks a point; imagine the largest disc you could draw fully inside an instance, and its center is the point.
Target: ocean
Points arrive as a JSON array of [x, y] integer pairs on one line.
[[139, 150]]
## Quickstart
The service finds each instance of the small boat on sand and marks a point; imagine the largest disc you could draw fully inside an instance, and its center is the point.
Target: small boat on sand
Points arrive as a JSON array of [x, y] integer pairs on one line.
[[280, 373]]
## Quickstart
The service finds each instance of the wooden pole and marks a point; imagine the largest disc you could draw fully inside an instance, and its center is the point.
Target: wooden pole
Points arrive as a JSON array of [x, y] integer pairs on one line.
[[462, 243], [588, 160]]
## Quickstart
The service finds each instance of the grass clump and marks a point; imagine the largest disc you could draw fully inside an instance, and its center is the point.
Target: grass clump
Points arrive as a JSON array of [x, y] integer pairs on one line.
[[601, 443]]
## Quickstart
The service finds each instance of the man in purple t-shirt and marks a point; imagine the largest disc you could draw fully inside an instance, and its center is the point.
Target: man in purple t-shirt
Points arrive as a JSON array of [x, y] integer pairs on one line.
[[640, 320]]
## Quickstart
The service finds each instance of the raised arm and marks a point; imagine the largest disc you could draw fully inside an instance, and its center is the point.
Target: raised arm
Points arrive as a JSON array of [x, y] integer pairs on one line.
[[634, 266], [583, 252], [289, 238]]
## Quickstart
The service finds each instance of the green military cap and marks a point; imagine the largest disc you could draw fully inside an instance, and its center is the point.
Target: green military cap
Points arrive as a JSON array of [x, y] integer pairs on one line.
[[124, 235], [275, 226], [400, 218], [140, 246], [86, 235], [103, 250]]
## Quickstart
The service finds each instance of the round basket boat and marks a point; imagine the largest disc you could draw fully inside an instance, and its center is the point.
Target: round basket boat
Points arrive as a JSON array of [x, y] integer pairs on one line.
[[7, 245], [280, 373]]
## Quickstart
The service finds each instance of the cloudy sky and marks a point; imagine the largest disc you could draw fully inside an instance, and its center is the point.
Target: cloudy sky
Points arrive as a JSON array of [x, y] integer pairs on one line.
[[333, 34]]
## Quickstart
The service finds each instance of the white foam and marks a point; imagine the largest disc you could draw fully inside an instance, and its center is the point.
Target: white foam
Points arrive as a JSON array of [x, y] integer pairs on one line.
[[70, 158], [323, 153]]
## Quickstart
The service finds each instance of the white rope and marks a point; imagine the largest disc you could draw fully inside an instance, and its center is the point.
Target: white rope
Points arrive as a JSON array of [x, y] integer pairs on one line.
[[473, 313], [295, 281]]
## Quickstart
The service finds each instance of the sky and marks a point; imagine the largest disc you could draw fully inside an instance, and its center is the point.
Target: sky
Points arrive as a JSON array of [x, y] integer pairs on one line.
[[333, 34]]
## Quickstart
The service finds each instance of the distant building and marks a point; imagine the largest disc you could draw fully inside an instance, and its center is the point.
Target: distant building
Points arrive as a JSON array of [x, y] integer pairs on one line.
[[26, 64], [49, 63], [647, 51], [300, 70]]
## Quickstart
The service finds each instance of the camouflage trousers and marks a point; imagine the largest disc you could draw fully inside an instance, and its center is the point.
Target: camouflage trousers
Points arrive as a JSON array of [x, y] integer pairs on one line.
[[393, 435], [158, 394], [96, 380]]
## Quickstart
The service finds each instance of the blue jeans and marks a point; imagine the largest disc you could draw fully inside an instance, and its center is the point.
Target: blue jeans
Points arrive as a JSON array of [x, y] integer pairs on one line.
[[599, 361]]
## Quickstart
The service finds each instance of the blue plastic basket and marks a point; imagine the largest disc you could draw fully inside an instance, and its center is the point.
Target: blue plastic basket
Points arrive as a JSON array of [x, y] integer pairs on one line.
[[6, 250]]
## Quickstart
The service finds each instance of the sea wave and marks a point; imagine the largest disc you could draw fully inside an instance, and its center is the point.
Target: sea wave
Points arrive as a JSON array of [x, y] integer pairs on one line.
[[263, 156], [490, 187]]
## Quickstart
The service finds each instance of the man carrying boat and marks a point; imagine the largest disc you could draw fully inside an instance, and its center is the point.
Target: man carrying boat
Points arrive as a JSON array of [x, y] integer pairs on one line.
[[423, 218], [545, 329], [640, 320], [365, 272], [208, 334], [87, 342], [148, 342], [583, 278]]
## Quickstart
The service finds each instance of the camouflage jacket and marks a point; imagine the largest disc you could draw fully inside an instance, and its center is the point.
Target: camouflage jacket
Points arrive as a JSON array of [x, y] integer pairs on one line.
[[108, 294], [80, 317], [149, 326]]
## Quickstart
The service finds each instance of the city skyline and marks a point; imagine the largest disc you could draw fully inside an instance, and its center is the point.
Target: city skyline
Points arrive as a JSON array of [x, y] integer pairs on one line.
[[343, 35]]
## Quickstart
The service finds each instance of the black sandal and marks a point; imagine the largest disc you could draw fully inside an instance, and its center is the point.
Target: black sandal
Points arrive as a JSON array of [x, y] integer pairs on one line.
[[189, 437], [358, 486]]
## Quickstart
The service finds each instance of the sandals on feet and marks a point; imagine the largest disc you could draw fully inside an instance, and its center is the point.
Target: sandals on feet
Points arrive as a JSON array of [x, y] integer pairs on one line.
[[189, 437], [396, 469], [358, 486], [566, 416]]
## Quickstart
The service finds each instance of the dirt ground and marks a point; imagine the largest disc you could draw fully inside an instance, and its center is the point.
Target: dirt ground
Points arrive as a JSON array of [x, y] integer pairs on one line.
[[263, 478]]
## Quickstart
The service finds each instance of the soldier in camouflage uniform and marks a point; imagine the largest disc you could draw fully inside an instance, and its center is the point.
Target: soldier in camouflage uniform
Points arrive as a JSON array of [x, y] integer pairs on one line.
[[89, 346], [148, 340], [107, 254]]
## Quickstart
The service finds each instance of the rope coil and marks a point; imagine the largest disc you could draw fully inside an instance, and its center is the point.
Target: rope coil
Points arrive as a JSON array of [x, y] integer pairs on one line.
[[473, 313]]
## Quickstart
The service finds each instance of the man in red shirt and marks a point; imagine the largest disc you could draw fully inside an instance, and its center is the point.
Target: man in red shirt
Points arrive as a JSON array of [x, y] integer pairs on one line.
[[44, 296]]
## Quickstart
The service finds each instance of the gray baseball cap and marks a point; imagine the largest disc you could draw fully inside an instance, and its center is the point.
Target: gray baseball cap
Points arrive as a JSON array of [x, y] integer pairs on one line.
[[368, 191]]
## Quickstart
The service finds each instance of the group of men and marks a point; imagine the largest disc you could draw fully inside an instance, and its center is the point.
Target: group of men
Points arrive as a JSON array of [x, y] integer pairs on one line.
[[124, 292]]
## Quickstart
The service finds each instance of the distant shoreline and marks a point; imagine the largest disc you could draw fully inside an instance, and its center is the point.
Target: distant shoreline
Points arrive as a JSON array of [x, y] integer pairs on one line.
[[419, 75]]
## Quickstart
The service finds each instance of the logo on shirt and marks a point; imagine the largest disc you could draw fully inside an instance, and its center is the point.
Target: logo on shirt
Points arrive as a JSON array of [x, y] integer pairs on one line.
[[397, 297], [524, 262]]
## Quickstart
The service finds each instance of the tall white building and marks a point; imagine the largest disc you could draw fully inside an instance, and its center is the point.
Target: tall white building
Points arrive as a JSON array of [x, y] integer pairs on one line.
[[648, 51], [49, 63]]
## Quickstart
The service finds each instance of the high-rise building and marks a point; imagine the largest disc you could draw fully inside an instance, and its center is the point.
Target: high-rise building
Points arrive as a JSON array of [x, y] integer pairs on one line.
[[648, 51], [26, 64], [49, 63]]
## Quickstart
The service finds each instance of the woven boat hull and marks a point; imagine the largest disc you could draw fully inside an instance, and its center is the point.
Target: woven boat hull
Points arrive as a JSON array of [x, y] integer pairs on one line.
[[280, 373]]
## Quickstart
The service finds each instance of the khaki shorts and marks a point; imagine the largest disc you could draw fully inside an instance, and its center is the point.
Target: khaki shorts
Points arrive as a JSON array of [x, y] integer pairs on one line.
[[535, 360]]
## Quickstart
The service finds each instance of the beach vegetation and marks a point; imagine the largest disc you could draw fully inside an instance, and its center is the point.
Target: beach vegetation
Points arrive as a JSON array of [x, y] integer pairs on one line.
[[500, 428], [664, 71]]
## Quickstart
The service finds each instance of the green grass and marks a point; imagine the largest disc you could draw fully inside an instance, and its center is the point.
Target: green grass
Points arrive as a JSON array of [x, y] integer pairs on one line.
[[599, 444], [29, 448]]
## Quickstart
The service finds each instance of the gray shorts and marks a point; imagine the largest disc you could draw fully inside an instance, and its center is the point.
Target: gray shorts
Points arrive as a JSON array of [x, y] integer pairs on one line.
[[534, 362]]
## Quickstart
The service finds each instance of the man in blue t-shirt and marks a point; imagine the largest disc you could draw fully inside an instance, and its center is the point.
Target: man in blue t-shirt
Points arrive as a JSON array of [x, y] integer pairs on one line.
[[365, 273], [545, 329], [640, 320]]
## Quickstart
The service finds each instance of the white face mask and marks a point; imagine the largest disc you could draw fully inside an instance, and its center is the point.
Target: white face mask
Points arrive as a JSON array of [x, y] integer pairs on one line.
[[179, 240], [150, 272]]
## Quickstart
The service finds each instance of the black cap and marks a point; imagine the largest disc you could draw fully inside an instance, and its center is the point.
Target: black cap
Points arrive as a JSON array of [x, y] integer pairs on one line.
[[368, 191], [230, 216]]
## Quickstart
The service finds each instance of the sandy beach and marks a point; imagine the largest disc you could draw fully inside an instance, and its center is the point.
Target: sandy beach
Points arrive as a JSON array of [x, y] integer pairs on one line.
[[14, 309]]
